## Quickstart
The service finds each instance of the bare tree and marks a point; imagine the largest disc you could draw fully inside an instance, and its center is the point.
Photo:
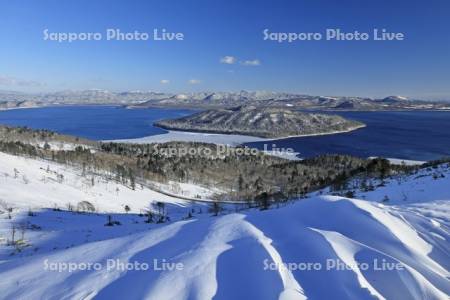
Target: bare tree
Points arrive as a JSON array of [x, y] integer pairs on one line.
[[215, 208], [12, 242]]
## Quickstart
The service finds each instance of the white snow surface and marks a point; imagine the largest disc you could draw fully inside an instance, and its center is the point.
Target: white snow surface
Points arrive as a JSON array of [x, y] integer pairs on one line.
[[406, 162], [28, 184], [226, 257], [185, 136]]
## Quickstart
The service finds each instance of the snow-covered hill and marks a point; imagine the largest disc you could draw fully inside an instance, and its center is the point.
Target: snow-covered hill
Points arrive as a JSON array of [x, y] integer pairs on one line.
[[30, 184], [322, 247]]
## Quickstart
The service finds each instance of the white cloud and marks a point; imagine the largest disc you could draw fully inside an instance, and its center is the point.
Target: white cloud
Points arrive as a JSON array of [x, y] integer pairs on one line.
[[165, 81], [253, 63], [12, 81], [229, 60], [194, 81]]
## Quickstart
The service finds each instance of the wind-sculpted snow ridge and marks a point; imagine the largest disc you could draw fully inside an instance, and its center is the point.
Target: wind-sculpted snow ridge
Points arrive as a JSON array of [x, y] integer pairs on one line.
[[234, 256], [322, 247]]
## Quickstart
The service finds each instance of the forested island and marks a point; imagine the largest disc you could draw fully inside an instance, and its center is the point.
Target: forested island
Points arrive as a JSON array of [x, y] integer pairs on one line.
[[266, 122]]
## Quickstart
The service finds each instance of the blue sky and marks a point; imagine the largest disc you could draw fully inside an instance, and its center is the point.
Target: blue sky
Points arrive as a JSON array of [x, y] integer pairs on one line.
[[417, 66]]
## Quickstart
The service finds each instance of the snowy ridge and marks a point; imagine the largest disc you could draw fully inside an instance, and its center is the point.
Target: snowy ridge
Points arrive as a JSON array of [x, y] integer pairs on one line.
[[227, 257], [215, 255]]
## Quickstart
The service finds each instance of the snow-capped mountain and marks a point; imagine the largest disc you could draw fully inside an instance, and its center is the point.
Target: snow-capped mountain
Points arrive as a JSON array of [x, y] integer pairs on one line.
[[144, 99]]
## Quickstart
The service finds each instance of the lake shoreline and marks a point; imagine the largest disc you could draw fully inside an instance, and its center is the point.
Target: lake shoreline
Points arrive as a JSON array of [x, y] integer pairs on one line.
[[420, 136], [206, 107], [173, 135]]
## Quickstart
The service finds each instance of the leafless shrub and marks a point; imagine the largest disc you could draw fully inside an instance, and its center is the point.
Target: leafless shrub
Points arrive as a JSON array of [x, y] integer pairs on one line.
[[85, 206]]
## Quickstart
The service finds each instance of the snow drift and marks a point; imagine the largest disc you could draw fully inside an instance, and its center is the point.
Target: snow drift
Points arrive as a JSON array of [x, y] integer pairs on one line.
[[323, 247]]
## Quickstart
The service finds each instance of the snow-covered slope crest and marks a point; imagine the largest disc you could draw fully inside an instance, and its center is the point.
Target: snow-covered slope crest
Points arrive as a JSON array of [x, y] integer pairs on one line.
[[324, 247], [427, 184]]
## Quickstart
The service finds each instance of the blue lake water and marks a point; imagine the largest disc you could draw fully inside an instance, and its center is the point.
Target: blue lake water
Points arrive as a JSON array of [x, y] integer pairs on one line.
[[415, 135], [407, 135], [93, 122]]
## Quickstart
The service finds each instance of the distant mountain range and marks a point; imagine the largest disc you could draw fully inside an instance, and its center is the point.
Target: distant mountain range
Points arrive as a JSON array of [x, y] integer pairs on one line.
[[144, 99]]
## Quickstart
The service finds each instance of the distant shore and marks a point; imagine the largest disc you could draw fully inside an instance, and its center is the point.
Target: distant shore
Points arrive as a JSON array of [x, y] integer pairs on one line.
[[216, 138], [206, 107], [187, 136], [320, 133]]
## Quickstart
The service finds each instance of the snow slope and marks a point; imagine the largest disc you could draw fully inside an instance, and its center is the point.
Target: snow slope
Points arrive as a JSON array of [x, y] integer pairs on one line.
[[322, 247], [28, 183], [224, 257], [424, 186]]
